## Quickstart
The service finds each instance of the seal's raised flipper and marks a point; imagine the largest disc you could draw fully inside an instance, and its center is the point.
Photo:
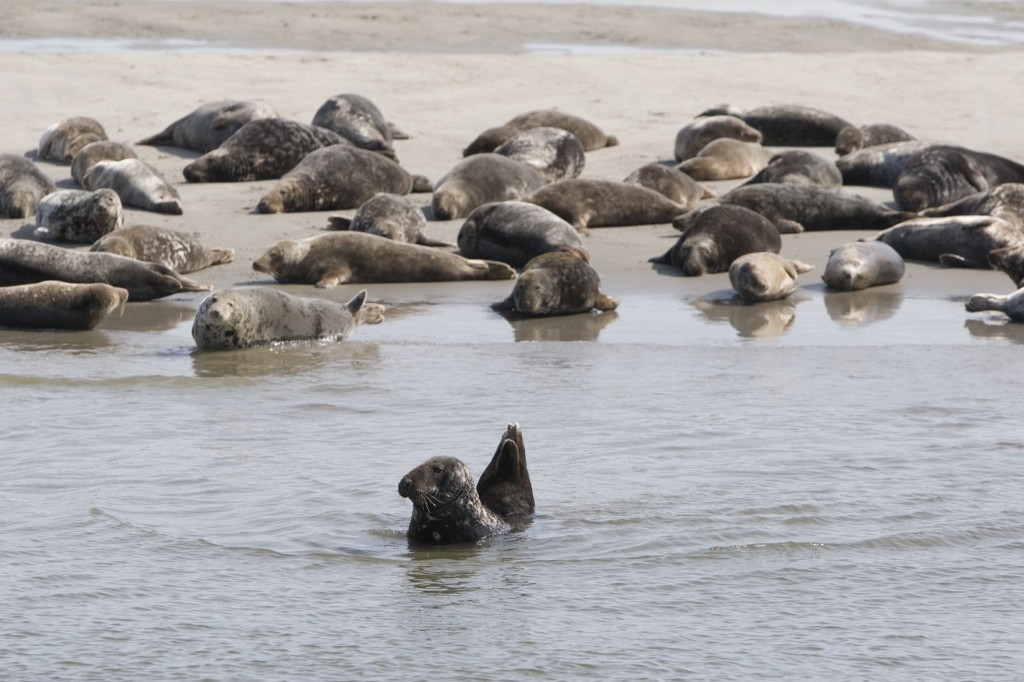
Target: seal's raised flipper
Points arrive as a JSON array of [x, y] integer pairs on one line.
[[504, 486]]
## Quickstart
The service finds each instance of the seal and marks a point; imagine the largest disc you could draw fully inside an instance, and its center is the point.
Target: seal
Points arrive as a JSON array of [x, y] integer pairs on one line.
[[851, 138], [481, 179], [557, 283], [589, 135], [1004, 201], [327, 260], [798, 167], [514, 232], [1012, 305], [263, 149], [255, 316], [175, 250], [696, 135], [795, 208], [446, 508], [555, 152], [337, 177], [853, 266], [765, 276], [391, 216], [716, 235], [58, 305], [78, 216], [27, 262], [210, 124], [504, 487], [956, 241], [605, 203], [1010, 260], [22, 185], [62, 140], [359, 121], [94, 152], [670, 182], [788, 125], [880, 165], [942, 174], [137, 184], [726, 159]]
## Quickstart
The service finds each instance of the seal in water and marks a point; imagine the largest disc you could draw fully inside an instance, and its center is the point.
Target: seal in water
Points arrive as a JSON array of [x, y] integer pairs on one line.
[[58, 305], [797, 167], [78, 216], [178, 251], [210, 124], [557, 283], [504, 487], [391, 216], [853, 266], [956, 241], [716, 235], [481, 179], [94, 152], [348, 257], [765, 276], [359, 121], [793, 125], [671, 182], [514, 232], [852, 138], [137, 183], [1012, 305], [942, 174], [62, 140], [556, 153], [22, 185], [254, 316], [697, 134], [1004, 201], [589, 135], [605, 203]]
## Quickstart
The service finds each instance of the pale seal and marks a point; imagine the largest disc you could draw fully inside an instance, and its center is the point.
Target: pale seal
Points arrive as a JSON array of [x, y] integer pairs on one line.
[[210, 124], [696, 134], [94, 152], [557, 283], [504, 487], [255, 316], [715, 236], [726, 159], [1004, 201], [359, 121], [391, 216], [942, 174], [514, 232], [178, 251], [337, 177], [78, 216], [555, 152], [765, 276], [62, 140], [22, 185], [851, 138], [672, 183], [605, 203], [58, 305], [793, 125], [350, 257], [956, 241], [137, 184], [798, 167], [853, 266], [446, 508], [481, 179], [589, 135], [1011, 305]]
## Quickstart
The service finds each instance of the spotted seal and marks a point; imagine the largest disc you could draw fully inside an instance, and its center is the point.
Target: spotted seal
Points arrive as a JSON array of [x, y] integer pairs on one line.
[[359, 121], [941, 174], [671, 182], [514, 232], [210, 125], [604, 203], [58, 305], [62, 140], [726, 159], [137, 184], [696, 134], [391, 216], [956, 241], [798, 167], [178, 251], [78, 216], [713, 237], [504, 487], [851, 138], [555, 152], [22, 185], [853, 266], [244, 317], [557, 283], [765, 276], [789, 125], [1004, 201], [94, 152], [480, 179], [589, 135]]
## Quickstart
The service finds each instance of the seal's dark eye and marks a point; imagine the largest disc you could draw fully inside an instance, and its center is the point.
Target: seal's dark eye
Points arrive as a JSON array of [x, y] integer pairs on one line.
[[439, 470]]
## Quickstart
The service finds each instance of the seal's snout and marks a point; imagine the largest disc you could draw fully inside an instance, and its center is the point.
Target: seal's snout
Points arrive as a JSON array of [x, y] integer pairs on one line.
[[405, 487]]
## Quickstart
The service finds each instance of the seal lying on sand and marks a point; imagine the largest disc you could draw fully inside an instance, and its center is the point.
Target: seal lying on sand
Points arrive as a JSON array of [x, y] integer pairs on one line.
[[359, 121], [853, 266], [604, 203], [793, 125], [880, 165], [391, 216], [956, 241], [1004, 201], [716, 235], [698, 133], [58, 305], [556, 153], [62, 140], [78, 216], [765, 276], [674, 184], [797, 167], [254, 316], [514, 232], [504, 486], [178, 251], [852, 138], [481, 179], [22, 185], [726, 159], [941, 174], [94, 152], [210, 124], [1009, 260], [557, 283], [589, 135], [137, 183], [1012, 305]]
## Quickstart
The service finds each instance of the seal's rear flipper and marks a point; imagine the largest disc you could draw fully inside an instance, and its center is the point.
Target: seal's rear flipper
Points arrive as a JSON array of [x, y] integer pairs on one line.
[[504, 486]]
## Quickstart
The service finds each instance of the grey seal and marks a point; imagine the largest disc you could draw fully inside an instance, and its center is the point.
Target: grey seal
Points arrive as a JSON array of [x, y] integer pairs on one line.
[[941, 174], [514, 232], [22, 185], [798, 167], [714, 236], [359, 121], [481, 179], [1004, 201], [853, 266], [791, 125], [391, 216], [880, 165], [765, 276], [956, 241], [26, 262], [1011, 305], [851, 138], [78, 216], [696, 134], [555, 152], [137, 184], [726, 159], [62, 140], [348, 257], [605, 203], [181, 252], [504, 487], [337, 177], [589, 135], [557, 283], [670, 182], [256, 316], [263, 149], [1010, 260], [58, 305], [210, 124], [94, 152]]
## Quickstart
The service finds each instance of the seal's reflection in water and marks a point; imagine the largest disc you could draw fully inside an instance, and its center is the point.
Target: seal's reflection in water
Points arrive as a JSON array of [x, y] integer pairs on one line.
[[284, 359], [997, 327], [65, 341], [578, 327], [145, 316], [861, 308], [765, 319]]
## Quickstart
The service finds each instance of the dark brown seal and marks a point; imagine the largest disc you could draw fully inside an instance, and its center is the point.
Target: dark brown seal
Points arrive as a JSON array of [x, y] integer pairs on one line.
[[62, 140], [714, 236], [942, 174], [210, 124], [793, 125], [605, 203], [504, 487], [589, 135], [481, 179], [557, 283], [58, 305], [22, 185]]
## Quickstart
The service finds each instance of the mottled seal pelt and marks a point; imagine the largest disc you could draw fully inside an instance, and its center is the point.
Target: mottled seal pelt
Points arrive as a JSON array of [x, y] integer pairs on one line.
[[58, 305], [956, 241], [853, 266], [1004, 201], [798, 167], [62, 140], [557, 283], [481, 179], [78, 216], [359, 121], [263, 149], [504, 487], [670, 182], [793, 125], [796, 208], [514, 232], [1011, 305], [879, 165], [176, 250], [589, 135], [446, 508], [765, 276], [22, 185], [138, 184], [94, 152], [391, 216], [337, 177], [1009, 260], [714, 236], [851, 138], [604, 203], [244, 317], [941, 174], [210, 124], [696, 134], [726, 159], [555, 152], [348, 257], [26, 262]]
